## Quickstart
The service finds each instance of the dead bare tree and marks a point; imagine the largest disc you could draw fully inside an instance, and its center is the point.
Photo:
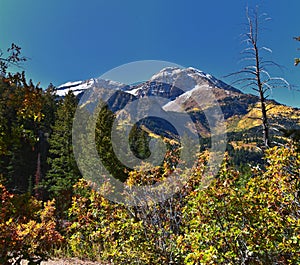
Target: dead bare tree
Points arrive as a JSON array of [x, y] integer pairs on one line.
[[254, 73]]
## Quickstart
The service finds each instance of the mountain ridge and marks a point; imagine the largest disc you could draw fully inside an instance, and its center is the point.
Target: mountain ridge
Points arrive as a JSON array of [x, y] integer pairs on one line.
[[184, 88]]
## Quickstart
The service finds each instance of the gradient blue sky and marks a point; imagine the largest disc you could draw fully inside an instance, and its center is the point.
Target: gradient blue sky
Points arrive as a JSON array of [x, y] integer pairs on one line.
[[78, 40]]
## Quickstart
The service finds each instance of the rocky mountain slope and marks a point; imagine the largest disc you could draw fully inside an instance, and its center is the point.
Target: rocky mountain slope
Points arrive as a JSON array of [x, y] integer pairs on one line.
[[192, 91]]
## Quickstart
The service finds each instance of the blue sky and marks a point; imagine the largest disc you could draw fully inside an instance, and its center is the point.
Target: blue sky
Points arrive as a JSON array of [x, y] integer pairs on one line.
[[78, 40]]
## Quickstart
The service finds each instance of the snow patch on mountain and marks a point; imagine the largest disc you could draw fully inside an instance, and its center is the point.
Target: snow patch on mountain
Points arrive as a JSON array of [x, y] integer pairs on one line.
[[134, 91], [165, 73], [81, 86], [174, 106], [69, 84], [76, 87]]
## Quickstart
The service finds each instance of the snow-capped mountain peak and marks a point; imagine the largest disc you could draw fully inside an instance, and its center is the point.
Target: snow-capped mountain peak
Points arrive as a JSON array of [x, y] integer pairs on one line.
[[168, 82], [186, 76]]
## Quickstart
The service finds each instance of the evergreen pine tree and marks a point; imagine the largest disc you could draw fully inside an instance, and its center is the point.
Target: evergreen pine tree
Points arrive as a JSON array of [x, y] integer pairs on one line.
[[104, 145], [20, 118], [63, 172]]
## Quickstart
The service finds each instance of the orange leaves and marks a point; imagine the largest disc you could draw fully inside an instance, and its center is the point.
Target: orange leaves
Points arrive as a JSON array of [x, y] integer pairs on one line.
[[29, 233], [30, 97], [23, 97]]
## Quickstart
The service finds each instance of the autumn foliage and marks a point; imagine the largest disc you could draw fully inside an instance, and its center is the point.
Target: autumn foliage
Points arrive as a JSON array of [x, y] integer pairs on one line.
[[27, 230], [240, 218], [237, 220], [252, 223]]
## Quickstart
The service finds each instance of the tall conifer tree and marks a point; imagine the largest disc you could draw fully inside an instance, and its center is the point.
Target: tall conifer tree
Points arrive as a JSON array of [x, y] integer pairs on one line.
[[63, 172]]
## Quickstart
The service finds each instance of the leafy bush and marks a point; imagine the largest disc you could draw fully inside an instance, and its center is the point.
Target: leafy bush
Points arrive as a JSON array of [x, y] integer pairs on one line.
[[101, 230], [236, 220], [257, 223], [27, 231]]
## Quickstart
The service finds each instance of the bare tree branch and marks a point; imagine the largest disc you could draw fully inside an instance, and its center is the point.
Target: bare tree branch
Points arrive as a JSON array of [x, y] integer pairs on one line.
[[255, 74], [13, 58]]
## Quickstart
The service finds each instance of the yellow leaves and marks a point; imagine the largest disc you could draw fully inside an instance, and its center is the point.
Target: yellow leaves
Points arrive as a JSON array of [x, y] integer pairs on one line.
[[205, 256], [48, 213], [38, 237], [24, 230], [179, 239], [261, 217], [253, 117]]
